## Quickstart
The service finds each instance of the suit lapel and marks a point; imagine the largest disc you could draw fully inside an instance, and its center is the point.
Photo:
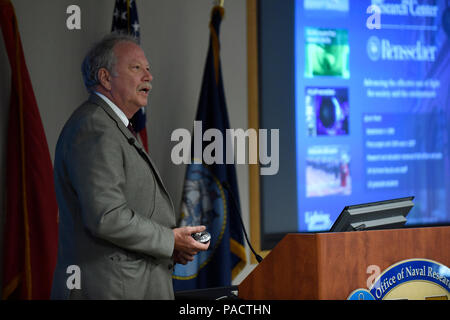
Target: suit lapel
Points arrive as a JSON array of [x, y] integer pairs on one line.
[[127, 133]]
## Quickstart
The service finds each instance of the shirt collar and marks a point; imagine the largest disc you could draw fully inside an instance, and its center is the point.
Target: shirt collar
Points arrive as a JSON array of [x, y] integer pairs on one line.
[[115, 108]]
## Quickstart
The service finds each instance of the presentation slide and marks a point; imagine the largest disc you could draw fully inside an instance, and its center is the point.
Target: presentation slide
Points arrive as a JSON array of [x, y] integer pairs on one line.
[[372, 106]]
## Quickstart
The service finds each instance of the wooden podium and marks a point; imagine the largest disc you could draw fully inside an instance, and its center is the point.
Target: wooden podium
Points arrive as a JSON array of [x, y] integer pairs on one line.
[[332, 265]]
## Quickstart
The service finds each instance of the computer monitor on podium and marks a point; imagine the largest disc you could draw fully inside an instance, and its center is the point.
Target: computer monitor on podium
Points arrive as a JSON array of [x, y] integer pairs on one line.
[[387, 214]]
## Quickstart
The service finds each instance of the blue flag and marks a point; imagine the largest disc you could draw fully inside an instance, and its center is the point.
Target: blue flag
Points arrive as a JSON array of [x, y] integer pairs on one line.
[[125, 20], [210, 194]]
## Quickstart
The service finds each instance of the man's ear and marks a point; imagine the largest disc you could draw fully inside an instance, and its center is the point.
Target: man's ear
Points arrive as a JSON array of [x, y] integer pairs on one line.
[[104, 77]]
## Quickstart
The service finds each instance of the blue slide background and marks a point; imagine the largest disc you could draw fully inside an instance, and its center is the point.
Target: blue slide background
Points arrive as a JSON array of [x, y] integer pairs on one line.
[[396, 137]]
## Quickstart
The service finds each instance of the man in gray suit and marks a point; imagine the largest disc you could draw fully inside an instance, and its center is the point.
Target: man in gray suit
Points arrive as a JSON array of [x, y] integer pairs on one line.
[[116, 220]]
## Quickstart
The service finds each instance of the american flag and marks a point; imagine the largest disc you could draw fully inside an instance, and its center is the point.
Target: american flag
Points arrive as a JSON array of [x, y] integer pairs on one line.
[[125, 20]]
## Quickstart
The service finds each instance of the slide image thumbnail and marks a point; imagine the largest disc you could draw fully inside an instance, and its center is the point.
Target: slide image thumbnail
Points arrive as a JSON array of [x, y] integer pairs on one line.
[[327, 111], [328, 171], [326, 53]]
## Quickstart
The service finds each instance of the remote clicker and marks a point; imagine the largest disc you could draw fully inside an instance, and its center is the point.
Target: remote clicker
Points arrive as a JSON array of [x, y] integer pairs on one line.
[[202, 237]]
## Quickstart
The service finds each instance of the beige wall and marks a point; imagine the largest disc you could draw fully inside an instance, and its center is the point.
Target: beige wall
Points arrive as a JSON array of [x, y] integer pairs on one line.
[[174, 35]]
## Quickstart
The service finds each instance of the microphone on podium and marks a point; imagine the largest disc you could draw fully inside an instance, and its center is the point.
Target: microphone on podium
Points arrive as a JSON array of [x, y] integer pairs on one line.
[[236, 206]]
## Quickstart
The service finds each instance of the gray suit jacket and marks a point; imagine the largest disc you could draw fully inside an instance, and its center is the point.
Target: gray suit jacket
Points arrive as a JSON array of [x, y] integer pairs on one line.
[[115, 215]]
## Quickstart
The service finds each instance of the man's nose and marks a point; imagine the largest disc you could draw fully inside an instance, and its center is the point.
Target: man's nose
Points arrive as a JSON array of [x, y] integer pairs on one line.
[[148, 76]]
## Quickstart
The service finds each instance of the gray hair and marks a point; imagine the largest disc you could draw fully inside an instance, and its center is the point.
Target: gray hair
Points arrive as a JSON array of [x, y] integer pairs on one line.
[[101, 55]]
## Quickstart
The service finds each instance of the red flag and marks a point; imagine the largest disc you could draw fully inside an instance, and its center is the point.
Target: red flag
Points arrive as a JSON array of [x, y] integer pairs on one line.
[[31, 227]]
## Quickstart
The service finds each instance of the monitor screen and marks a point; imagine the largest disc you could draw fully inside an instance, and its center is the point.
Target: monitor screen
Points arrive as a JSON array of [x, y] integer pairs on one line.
[[359, 90], [388, 214]]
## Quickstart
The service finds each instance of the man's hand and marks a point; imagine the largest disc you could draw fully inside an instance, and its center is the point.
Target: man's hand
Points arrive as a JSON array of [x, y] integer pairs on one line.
[[185, 246], [181, 257]]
